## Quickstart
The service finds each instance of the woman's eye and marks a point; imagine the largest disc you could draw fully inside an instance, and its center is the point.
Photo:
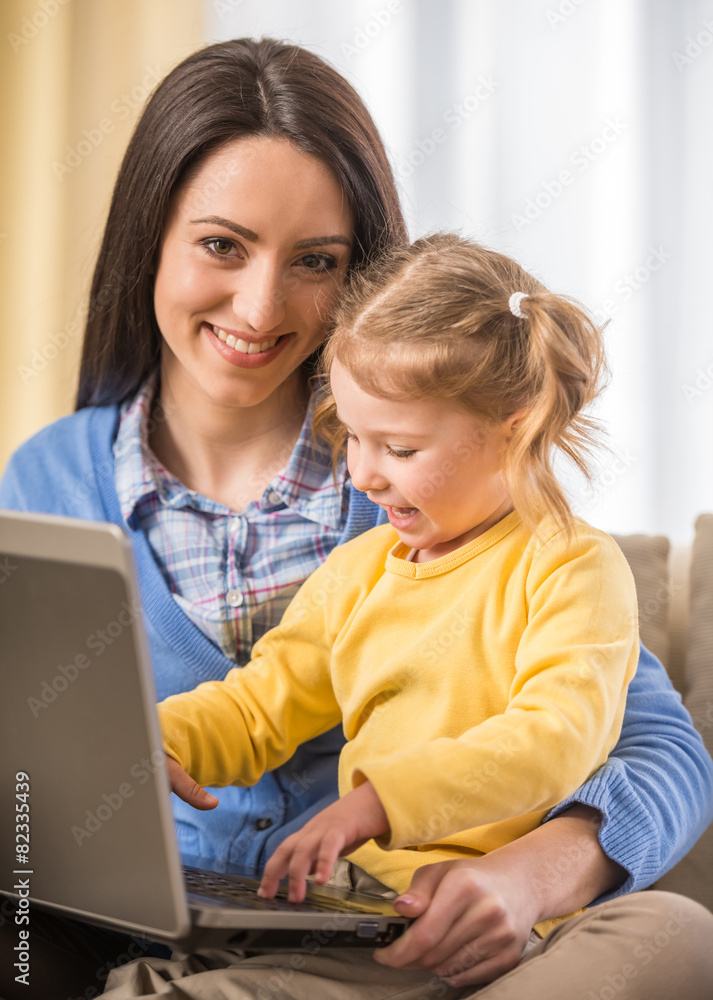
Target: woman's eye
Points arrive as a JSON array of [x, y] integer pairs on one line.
[[216, 246], [397, 453], [318, 262]]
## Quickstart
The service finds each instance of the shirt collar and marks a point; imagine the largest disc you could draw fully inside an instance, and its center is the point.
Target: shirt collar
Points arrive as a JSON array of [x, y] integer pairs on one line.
[[138, 473], [306, 485]]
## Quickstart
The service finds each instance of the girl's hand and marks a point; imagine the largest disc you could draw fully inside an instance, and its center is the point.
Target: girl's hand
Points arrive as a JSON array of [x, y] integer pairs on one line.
[[339, 829], [186, 788], [472, 922]]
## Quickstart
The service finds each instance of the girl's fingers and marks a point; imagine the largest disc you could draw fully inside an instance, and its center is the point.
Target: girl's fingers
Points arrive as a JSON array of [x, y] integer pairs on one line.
[[183, 785], [275, 869], [300, 867], [329, 851], [314, 853]]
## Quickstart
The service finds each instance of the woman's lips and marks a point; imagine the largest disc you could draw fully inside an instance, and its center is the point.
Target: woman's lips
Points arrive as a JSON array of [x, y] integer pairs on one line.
[[246, 354]]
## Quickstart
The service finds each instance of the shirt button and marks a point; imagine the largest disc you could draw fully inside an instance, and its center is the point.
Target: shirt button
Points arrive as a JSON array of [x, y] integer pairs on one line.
[[234, 524], [264, 823], [234, 598], [274, 497]]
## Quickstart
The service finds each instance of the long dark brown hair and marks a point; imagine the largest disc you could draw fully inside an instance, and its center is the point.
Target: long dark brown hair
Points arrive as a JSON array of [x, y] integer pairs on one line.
[[223, 92]]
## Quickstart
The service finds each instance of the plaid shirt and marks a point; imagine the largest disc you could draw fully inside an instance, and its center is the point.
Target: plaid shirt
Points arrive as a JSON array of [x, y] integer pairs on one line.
[[232, 573]]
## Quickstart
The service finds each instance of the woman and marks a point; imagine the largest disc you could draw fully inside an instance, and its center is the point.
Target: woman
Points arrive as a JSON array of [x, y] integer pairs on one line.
[[254, 182]]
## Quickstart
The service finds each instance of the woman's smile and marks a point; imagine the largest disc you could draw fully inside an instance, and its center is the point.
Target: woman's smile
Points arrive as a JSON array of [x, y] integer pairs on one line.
[[244, 353], [245, 346]]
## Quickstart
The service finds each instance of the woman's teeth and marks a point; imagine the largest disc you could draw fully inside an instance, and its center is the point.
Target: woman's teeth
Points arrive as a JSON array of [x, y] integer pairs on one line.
[[242, 345]]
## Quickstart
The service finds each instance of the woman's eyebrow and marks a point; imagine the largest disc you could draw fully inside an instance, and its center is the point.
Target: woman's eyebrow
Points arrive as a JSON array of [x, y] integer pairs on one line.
[[322, 241], [252, 237], [216, 220]]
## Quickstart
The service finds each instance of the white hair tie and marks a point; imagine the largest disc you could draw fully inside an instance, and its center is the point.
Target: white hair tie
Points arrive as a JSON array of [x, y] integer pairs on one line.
[[514, 303]]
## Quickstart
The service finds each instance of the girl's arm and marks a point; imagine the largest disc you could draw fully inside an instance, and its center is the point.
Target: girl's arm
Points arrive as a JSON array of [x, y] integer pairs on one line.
[[232, 731]]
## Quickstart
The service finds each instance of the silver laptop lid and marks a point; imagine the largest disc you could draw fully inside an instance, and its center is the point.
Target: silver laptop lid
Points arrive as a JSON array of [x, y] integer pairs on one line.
[[74, 674]]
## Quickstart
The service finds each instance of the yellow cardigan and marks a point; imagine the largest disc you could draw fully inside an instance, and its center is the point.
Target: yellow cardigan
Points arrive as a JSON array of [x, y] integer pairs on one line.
[[476, 690]]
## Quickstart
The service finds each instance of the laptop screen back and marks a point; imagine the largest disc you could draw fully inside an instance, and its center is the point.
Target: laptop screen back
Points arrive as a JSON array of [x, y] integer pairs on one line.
[[77, 717]]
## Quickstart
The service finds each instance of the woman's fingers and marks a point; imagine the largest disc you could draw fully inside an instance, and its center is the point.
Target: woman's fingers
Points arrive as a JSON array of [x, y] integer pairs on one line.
[[467, 932], [429, 933], [469, 967], [423, 887], [481, 932], [186, 788]]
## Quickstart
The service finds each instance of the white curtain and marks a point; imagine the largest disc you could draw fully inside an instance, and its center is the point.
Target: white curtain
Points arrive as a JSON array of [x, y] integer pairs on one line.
[[576, 136]]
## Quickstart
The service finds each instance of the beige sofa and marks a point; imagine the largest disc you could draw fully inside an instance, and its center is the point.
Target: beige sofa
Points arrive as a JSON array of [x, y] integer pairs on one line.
[[675, 594]]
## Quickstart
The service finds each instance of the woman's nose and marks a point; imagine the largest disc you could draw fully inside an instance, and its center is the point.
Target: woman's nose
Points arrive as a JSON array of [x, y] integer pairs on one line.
[[260, 299]]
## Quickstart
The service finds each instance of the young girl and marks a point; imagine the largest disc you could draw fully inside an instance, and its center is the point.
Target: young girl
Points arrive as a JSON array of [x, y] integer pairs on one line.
[[478, 648]]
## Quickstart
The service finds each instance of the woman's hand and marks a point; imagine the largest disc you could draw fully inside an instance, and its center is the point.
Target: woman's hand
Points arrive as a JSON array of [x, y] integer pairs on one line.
[[186, 788], [474, 915], [339, 829], [473, 922]]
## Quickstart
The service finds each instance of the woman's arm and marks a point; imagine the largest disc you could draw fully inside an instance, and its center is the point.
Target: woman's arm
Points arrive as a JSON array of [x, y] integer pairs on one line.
[[475, 915], [655, 792]]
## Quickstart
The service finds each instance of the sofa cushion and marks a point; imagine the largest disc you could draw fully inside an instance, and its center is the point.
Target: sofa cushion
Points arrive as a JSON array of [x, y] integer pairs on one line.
[[693, 875], [647, 556]]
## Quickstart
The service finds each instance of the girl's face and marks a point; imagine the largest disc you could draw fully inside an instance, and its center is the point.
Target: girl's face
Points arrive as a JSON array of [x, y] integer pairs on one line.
[[433, 467], [252, 259]]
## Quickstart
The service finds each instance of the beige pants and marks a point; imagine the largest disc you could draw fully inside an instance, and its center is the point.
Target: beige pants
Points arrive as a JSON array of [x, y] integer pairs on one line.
[[646, 946]]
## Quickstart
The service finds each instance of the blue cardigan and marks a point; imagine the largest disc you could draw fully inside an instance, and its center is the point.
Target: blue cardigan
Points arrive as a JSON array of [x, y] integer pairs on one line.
[[655, 792]]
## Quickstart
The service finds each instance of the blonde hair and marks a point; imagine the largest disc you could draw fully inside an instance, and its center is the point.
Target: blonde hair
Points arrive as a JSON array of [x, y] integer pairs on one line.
[[433, 321]]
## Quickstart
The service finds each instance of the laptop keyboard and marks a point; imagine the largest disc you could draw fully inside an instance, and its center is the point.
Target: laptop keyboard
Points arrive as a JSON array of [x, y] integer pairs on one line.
[[243, 892]]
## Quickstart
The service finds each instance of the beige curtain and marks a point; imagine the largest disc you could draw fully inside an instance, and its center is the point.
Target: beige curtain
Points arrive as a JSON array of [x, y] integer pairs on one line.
[[74, 75]]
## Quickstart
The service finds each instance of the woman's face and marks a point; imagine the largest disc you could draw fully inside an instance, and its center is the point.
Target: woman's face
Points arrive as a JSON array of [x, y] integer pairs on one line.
[[252, 259]]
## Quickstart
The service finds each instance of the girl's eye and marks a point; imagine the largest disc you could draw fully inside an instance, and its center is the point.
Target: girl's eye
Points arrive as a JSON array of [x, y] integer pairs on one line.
[[319, 263], [218, 246], [402, 454]]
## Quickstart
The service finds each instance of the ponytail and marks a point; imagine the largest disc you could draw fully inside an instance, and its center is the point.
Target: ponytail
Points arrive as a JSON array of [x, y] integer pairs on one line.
[[564, 356]]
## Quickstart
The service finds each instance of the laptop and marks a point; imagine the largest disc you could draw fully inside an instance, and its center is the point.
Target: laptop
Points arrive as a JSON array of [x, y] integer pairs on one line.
[[87, 829]]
